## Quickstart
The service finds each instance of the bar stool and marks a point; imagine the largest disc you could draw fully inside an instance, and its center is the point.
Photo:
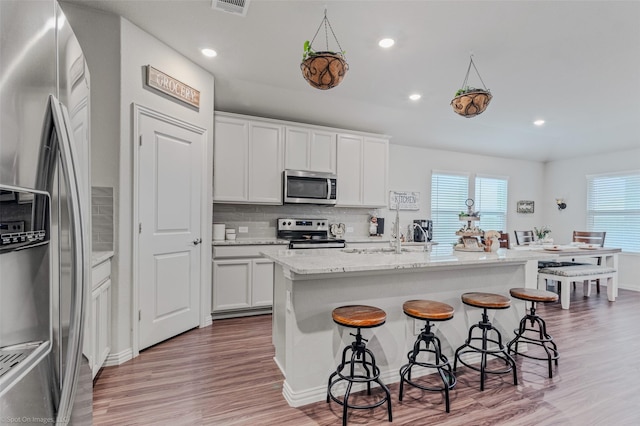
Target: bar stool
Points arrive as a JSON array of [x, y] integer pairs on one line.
[[428, 311], [543, 339], [486, 301], [358, 316]]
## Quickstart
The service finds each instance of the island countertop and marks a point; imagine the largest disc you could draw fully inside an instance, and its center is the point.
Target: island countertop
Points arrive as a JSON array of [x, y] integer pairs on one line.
[[326, 261]]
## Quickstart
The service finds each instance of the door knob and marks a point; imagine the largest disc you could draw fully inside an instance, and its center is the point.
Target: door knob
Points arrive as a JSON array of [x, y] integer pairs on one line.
[[197, 241]]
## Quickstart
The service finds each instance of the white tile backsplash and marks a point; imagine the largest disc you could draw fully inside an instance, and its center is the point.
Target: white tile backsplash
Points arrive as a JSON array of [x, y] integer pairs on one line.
[[101, 218], [261, 220]]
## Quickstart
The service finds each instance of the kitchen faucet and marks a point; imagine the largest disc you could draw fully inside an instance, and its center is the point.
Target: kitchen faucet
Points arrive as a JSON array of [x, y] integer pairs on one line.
[[396, 227], [426, 239]]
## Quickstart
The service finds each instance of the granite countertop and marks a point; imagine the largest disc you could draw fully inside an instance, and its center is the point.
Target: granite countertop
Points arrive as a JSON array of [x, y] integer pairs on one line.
[[250, 242], [97, 257], [354, 260], [270, 241]]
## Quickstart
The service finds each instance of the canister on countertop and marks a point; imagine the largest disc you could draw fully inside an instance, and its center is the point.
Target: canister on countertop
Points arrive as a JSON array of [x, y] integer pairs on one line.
[[218, 231]]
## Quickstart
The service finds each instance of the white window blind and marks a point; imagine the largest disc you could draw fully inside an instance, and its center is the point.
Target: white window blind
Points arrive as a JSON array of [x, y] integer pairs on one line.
[[449, 192], [613, 206], [491, 202]]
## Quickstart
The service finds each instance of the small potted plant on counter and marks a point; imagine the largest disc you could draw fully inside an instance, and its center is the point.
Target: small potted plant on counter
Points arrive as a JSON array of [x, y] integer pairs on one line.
[[542, 234]]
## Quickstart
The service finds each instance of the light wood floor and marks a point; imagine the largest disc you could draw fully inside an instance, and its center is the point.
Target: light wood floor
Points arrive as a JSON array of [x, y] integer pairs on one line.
[[225, 375]]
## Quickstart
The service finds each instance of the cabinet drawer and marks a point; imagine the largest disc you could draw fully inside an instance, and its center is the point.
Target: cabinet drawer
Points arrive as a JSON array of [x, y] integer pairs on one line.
[[223, 252]]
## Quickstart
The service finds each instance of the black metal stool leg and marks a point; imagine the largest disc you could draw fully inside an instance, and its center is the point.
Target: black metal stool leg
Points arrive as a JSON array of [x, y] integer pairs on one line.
[[501, 352], [543, 339], [359, 354], [441, 364]]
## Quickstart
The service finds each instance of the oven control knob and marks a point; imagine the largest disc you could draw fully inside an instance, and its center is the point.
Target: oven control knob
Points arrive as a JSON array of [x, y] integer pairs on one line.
[[289, 223]]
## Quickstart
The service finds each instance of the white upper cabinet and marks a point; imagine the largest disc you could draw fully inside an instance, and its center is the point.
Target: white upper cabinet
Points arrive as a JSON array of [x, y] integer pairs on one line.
[[250, 154], [230, 160], [362, 170], [310, 149], [248, 161], [265, 163]]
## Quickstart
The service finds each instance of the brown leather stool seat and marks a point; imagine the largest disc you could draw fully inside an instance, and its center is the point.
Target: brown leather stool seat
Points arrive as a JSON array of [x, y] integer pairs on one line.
[[486, 301], [535, 334], [428, 310], [357, 369]]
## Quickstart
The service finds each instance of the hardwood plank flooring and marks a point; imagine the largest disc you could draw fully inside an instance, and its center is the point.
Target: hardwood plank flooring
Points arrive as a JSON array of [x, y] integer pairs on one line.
[[225, 375]]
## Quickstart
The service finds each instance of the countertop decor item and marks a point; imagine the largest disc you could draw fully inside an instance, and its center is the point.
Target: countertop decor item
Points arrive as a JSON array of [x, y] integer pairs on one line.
[[469, 232], [542, 233], [324, 69], [337, 229], [471, 101]]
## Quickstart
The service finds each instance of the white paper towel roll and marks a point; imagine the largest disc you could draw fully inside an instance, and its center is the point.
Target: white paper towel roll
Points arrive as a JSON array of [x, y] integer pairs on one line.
[[218, 231]]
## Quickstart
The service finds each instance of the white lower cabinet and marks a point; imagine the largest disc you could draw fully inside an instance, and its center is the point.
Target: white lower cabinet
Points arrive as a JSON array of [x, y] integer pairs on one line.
[[242, 281], [231, 284], [98, 330]]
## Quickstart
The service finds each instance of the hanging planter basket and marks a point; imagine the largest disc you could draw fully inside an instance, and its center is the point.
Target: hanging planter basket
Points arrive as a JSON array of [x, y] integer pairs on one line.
[[471, 101], [324, 69]]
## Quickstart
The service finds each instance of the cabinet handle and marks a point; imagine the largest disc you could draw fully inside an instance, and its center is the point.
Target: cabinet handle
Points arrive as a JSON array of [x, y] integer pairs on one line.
[[197, 241]]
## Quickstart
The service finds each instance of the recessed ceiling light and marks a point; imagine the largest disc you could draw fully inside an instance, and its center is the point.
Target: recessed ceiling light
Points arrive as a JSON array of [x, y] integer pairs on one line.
[[538, 122], [210, 53], [386, 42], [415, 97]]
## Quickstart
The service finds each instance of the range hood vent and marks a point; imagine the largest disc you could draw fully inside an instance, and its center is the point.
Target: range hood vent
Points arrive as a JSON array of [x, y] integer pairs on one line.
[[236, 7]]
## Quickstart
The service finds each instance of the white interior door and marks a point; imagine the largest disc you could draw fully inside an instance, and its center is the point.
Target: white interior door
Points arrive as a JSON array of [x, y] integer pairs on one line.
[[170, 167]]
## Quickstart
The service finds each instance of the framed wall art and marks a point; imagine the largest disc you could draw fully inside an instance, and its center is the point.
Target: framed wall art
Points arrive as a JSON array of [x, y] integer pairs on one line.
[[525, 206]]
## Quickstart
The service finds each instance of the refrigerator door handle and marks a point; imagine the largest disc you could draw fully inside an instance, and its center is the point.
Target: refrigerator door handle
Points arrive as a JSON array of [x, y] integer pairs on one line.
[[70, 173]]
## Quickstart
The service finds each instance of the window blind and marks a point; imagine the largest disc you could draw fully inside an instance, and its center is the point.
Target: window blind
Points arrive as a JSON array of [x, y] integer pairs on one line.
[[491, 202], [613, 206], [449, 192]]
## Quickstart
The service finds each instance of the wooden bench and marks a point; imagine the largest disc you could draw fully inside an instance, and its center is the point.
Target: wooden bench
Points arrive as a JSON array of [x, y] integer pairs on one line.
[[568, 274]]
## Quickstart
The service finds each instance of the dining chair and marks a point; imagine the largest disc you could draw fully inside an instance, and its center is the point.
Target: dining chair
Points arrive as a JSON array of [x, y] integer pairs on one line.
[[524, 237], [593, 238]]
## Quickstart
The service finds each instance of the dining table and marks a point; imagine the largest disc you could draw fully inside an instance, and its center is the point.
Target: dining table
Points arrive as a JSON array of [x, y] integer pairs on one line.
[[579, 252]]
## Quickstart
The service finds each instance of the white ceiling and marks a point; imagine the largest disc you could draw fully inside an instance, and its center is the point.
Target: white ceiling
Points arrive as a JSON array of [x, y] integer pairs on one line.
[[575, 64]]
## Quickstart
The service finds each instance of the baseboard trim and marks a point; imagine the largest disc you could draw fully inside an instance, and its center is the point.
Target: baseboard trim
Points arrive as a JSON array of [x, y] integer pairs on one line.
[[240, 313], [118, 358]]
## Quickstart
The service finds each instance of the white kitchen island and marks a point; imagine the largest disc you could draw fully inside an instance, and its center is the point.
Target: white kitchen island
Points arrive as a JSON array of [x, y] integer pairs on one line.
[[309, 284]]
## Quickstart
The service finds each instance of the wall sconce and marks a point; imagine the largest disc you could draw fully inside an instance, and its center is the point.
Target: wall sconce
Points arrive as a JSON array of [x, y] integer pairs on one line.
[[561, 204]]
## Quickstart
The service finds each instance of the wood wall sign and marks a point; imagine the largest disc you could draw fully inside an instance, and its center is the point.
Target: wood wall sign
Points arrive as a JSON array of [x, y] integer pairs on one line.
[[172, 87], [406, 200]]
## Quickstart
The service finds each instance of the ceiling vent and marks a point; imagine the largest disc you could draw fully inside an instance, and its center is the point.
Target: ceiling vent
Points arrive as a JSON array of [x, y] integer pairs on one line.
[[236, 7]]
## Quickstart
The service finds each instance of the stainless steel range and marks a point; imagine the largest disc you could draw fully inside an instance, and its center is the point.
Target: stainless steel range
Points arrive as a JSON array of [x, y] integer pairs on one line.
[[307, 233]]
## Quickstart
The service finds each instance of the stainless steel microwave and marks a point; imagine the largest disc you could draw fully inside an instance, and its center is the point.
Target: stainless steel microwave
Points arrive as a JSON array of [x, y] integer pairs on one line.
[[303, 187]]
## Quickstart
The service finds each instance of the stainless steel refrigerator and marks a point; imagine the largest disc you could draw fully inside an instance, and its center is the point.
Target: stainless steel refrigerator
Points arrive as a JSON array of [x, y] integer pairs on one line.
[[44, 217]]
